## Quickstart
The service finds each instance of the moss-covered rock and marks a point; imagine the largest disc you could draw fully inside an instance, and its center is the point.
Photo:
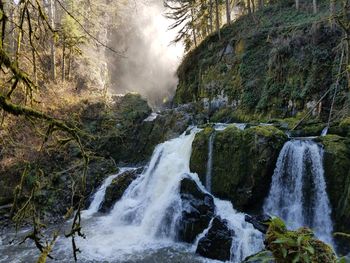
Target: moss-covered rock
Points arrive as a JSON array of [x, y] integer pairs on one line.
[[199, 156], [296, 246], [243, 162], [285, 246], [282, 61], [337, 173], [117, 188]]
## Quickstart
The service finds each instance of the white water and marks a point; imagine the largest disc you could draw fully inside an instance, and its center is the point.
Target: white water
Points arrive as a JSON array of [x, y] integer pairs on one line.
[[208, 175], [100, 193], [222, 126], [324, 131], [151, 117], [298, 189], [142, 225], [146, 216], [247, 240]]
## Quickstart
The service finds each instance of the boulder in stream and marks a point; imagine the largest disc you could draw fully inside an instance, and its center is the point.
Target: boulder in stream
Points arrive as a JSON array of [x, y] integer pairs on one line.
[[217, 242], [117, 188], [198, 210]]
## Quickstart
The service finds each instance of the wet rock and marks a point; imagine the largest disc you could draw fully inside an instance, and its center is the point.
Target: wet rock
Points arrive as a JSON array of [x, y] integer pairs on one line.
[[198, 210], [243, 163], [117, 188], [216, 244], [263, 256], [337, 166], [259, 222]]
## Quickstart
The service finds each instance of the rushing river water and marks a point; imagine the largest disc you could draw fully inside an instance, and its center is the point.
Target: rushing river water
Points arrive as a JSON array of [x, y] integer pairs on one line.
[[142, 226]]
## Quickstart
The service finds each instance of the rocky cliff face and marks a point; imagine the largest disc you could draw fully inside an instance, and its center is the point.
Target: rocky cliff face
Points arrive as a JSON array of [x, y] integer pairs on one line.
[[277, 63], [337, 171]]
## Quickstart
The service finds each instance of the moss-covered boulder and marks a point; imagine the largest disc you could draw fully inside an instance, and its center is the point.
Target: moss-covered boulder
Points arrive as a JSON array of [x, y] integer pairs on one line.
[[337, 173], [116, 189], [285, 246], [296, 246], [199, 156], [243, 162]]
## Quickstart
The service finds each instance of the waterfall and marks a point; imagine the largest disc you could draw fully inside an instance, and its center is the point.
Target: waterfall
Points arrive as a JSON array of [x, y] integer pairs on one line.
[[298, 189], [324, 131], [100, 193], [209, 163], [146, 217]]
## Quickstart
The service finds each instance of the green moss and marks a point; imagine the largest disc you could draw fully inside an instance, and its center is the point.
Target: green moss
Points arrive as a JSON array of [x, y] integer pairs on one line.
[[296, 246], [337, 172], [243, 162], [345, 123], [266, 131], [199, 156], [280, 56]]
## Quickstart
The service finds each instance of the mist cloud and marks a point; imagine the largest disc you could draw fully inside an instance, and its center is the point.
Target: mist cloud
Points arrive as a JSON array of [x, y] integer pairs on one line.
[[151, 60]]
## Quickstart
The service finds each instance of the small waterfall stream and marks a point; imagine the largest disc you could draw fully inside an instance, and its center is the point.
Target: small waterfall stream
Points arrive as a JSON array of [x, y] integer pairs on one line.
[[208, 175], [298, 189], [100, 193]]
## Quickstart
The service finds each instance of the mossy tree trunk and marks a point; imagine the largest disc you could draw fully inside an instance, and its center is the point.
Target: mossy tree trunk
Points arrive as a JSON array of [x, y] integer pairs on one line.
[[217, 18], [52, 42], [314, 6], [211, 15], [249, 7], [228, 11]]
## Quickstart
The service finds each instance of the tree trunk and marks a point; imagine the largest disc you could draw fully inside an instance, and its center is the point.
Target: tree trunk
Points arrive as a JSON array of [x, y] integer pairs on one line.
[[69, 63], [35, 74], [249, 7], [52, 42], [297, 4], [193, 28], [217, 18], [211, 15], [63, 60], [314, 4], [228, 11], [261, 4], [253, 6], [332, 12]]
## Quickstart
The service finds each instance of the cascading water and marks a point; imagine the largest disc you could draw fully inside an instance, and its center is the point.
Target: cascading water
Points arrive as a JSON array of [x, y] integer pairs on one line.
[[210, 162], [100, 193], [298, 189], [324, 131], [147, 214], [142, 226]]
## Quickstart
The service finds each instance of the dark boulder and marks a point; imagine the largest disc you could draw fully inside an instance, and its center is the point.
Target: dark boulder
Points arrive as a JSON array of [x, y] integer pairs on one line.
[[260, 222], [216, 244], [198, 210], [116, 189]]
